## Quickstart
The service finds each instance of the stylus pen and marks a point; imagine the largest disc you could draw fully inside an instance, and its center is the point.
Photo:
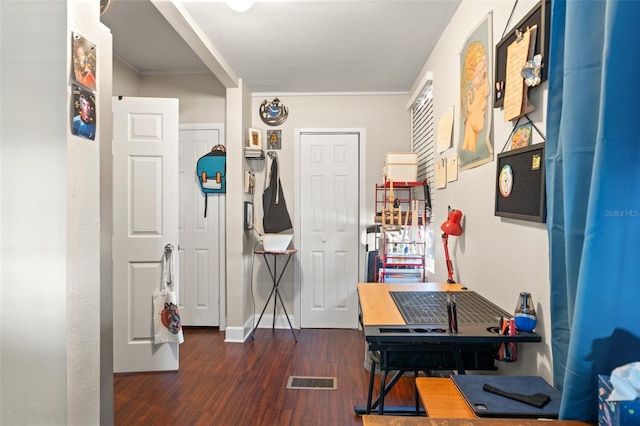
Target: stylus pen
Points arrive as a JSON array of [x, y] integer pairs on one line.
[[455, 314], [449, 312]]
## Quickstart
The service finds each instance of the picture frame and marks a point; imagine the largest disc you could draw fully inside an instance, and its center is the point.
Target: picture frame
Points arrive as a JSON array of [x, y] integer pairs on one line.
[[248, 215], [520, 184], [521, 135], [255, 138], [274, 139]]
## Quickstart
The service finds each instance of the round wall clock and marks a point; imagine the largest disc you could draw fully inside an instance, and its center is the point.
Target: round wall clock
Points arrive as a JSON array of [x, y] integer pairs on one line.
[[273, 113], [505, 180]]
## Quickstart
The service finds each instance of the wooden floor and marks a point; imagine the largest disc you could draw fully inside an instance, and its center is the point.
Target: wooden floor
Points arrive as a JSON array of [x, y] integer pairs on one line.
[[245, 383]]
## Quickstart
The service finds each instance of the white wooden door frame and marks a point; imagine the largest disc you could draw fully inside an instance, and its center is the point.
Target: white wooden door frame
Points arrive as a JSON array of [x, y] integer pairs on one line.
[[223, 254], [362, 204]]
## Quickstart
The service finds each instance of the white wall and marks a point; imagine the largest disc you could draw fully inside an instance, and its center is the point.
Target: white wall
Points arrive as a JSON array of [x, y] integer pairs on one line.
[[50, 224], [387, 123], [34, 254], [238, 245], [496, 257], [126, 82], [202, 96]]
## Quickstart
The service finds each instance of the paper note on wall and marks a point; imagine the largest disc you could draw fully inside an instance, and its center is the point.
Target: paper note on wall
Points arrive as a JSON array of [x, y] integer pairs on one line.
[[441, 173], [517, 54], [445, 129], [452, 169]]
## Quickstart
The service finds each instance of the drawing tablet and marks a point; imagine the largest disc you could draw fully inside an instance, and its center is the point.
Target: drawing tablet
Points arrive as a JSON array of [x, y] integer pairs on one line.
[[487, 404]]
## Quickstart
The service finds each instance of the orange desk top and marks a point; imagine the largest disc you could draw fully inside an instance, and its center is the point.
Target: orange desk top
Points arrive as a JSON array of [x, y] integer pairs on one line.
[[379, 308], [376, 420], [442, 400]]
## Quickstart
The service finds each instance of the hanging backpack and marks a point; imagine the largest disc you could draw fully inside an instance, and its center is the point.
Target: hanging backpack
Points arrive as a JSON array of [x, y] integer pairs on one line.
[[211, 170]]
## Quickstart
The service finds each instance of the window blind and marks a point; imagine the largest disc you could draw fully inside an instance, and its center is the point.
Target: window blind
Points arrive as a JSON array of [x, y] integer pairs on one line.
[[423, 138]]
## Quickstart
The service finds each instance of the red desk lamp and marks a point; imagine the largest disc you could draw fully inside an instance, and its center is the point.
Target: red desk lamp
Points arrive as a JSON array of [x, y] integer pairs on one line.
[[450, 227]]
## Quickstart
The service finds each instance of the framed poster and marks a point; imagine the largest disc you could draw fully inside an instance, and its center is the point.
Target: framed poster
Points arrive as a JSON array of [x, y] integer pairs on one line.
[[475, 146], [83, 123], [520, 184], [84, 58]]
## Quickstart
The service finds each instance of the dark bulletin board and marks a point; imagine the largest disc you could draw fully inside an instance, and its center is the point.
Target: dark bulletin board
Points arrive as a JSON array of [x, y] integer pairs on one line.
[[540, 15], [527, 200]]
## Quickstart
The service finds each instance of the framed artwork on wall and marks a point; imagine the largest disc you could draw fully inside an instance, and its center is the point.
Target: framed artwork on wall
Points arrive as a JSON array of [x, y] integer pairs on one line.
[[248, 215], [521, 136], [255, 138], [475, 146], [83, 58], [274, 139]]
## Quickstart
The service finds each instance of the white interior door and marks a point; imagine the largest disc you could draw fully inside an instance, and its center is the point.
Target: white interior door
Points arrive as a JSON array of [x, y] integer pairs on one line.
[[145, 219], [329, 228], [202, 254]]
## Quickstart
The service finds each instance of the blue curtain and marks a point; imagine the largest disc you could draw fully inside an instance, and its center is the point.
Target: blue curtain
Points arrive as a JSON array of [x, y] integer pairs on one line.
[[593, 195]]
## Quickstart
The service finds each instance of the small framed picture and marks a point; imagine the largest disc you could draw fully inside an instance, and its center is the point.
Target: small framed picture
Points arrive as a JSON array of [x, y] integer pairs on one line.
[[521, 136], [255, 138], [248, 215], [274, 139]]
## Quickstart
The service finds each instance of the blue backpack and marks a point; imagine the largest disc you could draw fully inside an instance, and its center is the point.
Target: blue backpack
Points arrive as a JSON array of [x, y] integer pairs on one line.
[[211, 170]]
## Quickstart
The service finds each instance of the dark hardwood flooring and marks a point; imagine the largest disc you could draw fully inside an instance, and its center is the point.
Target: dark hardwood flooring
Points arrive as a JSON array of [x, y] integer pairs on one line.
[[245, 383]]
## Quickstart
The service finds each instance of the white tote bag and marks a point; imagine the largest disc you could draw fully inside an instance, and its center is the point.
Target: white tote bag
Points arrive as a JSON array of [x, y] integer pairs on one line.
[[166, 316]]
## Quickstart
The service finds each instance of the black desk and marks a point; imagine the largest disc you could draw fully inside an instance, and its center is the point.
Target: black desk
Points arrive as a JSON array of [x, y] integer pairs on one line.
[[274, 290], [405, 347]]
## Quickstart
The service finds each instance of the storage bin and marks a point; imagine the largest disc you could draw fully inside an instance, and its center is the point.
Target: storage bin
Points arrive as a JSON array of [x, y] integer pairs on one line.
[[400, 166], [401, 158], [401, 172]]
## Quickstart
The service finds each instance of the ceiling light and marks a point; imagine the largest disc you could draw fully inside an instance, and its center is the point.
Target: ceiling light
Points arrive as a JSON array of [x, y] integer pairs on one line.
[[240, 5]]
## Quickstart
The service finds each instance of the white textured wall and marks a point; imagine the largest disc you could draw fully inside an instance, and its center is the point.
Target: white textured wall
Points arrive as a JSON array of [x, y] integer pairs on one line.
[[106, 229], [50, 314], [126, 82], [238, 119], [496, 257], [202, 96], [83, 235], [35, 122]]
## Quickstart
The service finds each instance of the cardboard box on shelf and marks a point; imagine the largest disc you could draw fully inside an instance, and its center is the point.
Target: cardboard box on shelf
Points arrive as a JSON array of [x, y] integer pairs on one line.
[[400, 166]]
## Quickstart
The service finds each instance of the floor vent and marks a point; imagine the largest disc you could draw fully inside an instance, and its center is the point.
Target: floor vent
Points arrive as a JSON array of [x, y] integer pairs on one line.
[[320, 383]]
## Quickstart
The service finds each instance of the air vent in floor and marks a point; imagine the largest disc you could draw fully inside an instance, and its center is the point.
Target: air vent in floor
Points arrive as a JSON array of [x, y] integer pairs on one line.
[[320, 383]]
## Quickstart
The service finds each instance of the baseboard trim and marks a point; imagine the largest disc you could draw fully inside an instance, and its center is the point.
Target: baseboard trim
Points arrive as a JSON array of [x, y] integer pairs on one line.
[[241, 334]]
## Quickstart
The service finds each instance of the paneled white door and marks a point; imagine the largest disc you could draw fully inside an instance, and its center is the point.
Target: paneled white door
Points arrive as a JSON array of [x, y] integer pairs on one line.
[[145, 219], [202, 253], [329, 188]]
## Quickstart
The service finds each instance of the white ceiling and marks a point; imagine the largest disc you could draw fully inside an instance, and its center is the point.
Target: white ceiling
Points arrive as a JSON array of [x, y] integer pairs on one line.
[[286, 46]]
